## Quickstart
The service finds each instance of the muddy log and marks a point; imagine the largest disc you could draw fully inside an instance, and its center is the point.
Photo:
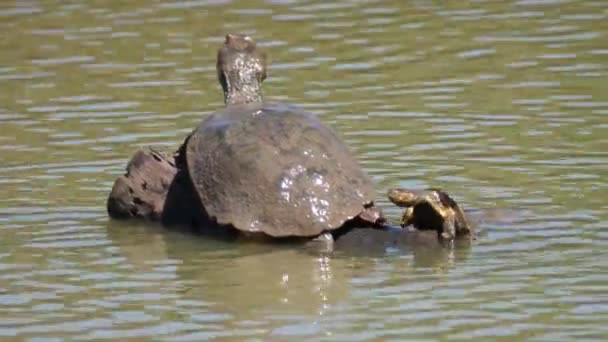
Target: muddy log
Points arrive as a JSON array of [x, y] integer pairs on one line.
[[154, 188]]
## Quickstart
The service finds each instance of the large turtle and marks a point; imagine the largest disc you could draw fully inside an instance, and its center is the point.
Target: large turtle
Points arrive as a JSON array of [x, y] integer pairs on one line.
[[272, 168], [432, 209]]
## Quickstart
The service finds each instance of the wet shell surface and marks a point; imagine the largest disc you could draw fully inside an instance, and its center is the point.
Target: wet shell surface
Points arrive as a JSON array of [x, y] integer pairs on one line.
[[275, 169]]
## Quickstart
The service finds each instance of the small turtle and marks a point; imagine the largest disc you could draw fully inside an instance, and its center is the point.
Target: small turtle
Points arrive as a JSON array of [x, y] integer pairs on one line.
[[432, 209], [270, 168]]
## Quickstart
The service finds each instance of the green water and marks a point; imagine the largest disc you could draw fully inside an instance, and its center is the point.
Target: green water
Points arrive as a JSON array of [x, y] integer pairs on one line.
[[504, 104]]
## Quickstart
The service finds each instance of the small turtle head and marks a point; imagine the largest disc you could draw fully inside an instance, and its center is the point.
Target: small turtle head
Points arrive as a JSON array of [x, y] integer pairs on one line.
[[403, 197], [241, 69]]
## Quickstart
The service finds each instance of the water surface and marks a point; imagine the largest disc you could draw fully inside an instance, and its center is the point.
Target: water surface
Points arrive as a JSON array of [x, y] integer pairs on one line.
[[504, 104]]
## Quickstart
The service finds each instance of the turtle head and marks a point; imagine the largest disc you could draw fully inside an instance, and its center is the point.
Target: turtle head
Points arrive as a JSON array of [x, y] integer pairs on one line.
[[241, 69], [403, 197]]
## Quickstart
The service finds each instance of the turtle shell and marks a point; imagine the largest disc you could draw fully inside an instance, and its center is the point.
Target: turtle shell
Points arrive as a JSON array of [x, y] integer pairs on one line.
[[275, 169]]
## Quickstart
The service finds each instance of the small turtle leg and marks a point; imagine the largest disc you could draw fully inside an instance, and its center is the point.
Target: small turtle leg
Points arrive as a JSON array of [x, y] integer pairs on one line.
[[403, 220], [463, 227], [406, 218], [449, 227]]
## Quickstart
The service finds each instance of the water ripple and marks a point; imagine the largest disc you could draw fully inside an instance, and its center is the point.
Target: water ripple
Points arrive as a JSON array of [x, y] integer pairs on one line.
[[500, 103]]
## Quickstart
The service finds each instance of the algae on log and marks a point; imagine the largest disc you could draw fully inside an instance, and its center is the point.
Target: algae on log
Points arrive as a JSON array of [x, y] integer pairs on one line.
[[154, 188]]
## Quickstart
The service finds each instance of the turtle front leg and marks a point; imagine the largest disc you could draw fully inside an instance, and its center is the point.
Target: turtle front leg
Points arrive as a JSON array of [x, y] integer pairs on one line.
[[449, 227], [407, 217]]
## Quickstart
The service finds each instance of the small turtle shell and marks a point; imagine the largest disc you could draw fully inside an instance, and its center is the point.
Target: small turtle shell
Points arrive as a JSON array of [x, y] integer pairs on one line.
[[274, 169]]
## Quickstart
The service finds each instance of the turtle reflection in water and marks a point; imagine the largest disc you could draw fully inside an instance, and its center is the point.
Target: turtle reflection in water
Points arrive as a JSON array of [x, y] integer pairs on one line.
[[432, 209], [272, 169]]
